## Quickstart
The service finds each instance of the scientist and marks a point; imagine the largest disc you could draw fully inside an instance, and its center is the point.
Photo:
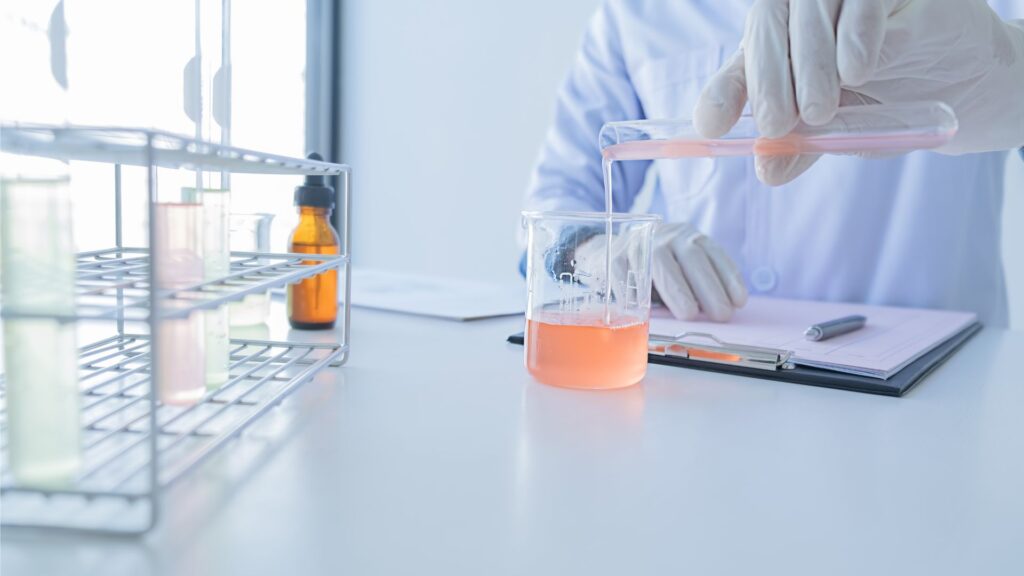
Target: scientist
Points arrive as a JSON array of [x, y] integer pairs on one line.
[[921, 229]]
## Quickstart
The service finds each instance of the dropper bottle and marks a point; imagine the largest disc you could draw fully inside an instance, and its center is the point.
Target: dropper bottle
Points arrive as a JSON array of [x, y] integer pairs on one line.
[[313, 302]]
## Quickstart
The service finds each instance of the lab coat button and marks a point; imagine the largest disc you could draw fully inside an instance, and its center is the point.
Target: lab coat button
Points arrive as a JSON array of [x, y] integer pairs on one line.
[[763, 279]]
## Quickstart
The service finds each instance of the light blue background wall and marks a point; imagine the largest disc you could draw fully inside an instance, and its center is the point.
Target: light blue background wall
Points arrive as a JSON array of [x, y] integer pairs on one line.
[[444, 106]]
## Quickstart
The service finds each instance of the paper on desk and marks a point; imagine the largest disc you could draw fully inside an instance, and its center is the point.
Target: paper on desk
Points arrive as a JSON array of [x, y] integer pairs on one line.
[[891, 339], [434, 296]]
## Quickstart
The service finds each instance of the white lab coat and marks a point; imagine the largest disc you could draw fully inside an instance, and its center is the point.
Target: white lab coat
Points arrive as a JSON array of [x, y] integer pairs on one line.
[[921, 229]]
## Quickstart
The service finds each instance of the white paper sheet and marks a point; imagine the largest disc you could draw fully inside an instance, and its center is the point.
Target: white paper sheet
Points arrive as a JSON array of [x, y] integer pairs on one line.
[[434, 296], [891, 339]]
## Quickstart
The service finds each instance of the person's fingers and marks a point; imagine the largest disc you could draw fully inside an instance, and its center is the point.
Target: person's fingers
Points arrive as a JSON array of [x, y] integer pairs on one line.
[[620, 269], [776, 170], [722, 100], [727, 272], [859, 35], [585, 259], [779, 170], [812, 47], [671, 284], [702, 278], [638, 259], [768, 73]]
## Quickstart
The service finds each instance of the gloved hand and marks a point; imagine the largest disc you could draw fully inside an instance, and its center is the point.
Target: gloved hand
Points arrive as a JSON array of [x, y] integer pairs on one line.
[[691, 273], [801, 59]]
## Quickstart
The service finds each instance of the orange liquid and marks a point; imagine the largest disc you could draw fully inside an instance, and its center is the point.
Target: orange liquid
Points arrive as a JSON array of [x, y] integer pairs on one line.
[[313, 302], [591, 356]]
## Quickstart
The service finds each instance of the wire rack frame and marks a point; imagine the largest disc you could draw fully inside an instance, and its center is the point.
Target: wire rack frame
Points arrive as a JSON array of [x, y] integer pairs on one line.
[[115, 377], [126, 464], [114, 282]]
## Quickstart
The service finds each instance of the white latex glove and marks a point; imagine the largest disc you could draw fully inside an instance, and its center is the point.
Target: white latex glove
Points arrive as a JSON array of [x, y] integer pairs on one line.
[[690, 272], [801, 59]]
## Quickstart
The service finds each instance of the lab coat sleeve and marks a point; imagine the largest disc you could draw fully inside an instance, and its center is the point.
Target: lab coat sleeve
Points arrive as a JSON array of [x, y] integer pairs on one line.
[[567, 174], [1012, 10], [1020, 22]]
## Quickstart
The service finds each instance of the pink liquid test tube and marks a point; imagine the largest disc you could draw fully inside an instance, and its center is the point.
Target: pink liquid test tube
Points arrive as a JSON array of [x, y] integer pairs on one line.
[[180, 373], [876, 129]]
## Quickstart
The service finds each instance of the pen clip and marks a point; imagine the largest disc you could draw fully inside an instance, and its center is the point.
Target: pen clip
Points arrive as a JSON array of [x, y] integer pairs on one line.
[[682, 346]]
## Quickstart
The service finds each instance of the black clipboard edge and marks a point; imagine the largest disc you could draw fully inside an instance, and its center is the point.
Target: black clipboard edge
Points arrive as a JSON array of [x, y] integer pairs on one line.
[[898, 385]]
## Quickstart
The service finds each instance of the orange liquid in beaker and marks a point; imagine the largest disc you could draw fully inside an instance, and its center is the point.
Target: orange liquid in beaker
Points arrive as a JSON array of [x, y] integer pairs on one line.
[[588, 355]]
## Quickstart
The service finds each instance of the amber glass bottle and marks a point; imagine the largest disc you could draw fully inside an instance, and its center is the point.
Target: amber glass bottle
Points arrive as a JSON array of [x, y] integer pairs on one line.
[[313, 302]]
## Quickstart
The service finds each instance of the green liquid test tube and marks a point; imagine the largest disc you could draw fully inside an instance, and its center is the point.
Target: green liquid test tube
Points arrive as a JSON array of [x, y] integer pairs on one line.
[[37, 274]]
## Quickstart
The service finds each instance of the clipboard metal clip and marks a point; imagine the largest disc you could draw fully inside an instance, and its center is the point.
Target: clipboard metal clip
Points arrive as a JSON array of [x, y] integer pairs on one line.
[[683, 346]]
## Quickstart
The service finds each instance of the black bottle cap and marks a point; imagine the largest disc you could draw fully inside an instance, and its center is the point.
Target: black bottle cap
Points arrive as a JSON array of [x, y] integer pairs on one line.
[[314, 191]]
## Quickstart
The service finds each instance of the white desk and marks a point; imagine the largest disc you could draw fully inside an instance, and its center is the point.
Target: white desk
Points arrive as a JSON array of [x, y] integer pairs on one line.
[[433, 452]]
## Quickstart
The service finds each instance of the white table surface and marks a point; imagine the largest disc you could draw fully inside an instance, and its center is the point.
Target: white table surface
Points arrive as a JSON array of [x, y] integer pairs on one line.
[[433, 452]]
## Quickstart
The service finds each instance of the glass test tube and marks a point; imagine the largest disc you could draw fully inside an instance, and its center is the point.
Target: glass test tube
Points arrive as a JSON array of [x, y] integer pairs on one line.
[[181, 367], [37, 276], [216, 265], [250, 233]]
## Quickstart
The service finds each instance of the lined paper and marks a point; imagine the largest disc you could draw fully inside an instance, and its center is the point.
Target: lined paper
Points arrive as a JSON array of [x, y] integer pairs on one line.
[[892, 337]]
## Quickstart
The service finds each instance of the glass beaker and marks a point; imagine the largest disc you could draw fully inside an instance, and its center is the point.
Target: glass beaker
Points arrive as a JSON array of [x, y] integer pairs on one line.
[[587, 315], [250, 233]]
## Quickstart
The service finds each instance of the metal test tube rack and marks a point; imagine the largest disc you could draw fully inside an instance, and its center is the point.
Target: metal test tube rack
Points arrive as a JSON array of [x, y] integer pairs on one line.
[[134, 447]]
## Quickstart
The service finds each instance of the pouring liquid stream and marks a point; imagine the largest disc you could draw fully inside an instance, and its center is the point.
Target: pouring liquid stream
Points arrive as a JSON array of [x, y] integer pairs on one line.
[[606, 169]]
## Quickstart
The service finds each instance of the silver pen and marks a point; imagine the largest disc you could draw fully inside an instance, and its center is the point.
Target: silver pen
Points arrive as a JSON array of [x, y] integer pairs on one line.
[[826, 330]]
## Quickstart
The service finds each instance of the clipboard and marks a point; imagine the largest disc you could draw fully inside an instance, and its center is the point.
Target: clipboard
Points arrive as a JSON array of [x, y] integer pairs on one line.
[[702, 351]]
